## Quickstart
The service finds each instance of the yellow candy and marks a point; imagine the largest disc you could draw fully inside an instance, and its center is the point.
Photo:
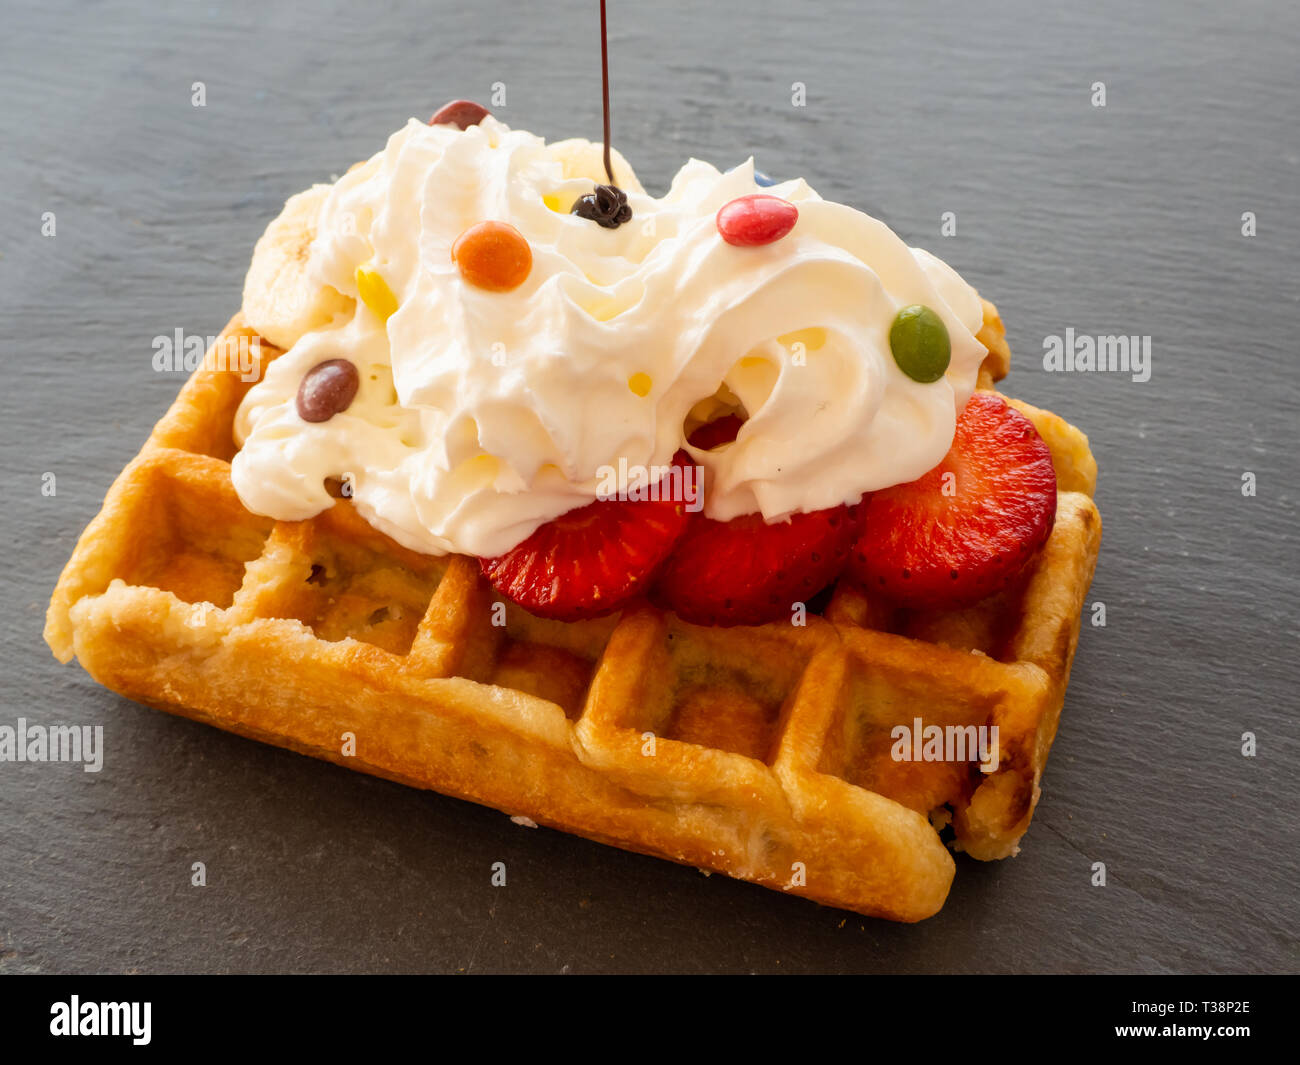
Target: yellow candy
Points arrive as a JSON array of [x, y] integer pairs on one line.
[[375, 292], [812, 338]]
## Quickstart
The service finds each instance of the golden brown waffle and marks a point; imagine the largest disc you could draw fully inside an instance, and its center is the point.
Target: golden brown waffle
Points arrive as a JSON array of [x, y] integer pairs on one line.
[[763, 753]]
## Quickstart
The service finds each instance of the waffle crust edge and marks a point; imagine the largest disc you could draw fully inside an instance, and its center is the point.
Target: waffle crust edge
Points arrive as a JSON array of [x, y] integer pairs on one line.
[[758, 752]]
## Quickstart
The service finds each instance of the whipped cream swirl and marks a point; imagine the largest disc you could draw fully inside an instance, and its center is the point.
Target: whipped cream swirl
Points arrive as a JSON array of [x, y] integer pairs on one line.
[[483, 414]]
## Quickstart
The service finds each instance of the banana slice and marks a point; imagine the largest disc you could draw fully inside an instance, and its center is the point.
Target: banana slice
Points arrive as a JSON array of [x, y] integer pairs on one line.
[[280, 301], [585, 159]]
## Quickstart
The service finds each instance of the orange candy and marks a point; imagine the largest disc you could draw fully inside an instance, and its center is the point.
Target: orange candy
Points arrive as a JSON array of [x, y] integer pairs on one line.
[[493, 255]]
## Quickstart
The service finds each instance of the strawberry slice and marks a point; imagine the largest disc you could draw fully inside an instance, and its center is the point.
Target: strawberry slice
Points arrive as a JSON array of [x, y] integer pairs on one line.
[[966, 528], [592, 560], [746, 572], [716, 433]]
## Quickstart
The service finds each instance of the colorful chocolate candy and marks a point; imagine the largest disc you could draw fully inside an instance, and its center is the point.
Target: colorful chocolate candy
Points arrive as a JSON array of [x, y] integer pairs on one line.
[[459, 113], [749, 221], [375, 293], [919, 340], [327, 389], [493, 255]]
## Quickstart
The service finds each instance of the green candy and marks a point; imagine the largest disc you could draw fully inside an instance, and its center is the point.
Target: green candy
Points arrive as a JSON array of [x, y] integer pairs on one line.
[[919, 340]]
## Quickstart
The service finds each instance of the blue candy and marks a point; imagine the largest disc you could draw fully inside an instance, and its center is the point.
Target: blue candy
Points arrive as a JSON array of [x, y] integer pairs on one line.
[[759, 178]]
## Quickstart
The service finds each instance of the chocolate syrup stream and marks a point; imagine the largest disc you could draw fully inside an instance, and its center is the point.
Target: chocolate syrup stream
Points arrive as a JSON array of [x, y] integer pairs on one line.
[[604, 86], [606, 205]]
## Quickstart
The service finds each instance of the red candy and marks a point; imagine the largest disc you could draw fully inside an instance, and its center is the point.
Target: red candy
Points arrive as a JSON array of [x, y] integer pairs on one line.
[[749, 221], [460, 113]]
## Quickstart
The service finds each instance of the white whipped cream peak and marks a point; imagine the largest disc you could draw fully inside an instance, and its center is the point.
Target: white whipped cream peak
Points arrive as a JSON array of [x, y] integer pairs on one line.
[[483, 414]]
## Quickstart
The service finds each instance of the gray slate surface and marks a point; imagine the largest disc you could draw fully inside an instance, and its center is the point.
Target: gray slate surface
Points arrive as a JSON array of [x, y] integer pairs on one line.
[[1125, 220]]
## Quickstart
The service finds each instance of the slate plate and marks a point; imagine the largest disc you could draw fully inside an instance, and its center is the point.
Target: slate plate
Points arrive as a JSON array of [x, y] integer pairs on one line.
[[1125, 219]]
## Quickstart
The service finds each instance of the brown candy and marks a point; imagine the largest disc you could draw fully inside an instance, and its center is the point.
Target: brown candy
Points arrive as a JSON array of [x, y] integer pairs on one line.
[[460, 113], [327, 389]]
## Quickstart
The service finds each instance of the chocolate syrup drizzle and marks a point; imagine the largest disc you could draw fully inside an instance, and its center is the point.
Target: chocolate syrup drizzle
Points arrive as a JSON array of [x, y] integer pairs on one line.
[[604, 86], [607, 206]]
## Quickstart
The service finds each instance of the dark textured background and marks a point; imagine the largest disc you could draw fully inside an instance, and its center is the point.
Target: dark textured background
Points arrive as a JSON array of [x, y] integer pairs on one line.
[[1125, 220]]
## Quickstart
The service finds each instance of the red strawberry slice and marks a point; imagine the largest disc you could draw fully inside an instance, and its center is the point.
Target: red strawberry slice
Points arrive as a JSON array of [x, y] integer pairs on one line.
[[746, 572], [716, 433], [966, 528], [592, 560]]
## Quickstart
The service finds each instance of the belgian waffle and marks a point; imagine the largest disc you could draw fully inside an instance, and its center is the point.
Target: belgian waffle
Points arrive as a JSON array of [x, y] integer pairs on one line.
[[760, 752]]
